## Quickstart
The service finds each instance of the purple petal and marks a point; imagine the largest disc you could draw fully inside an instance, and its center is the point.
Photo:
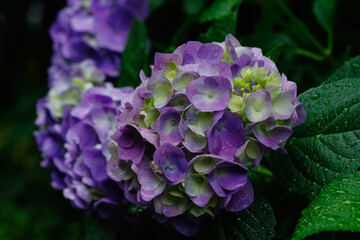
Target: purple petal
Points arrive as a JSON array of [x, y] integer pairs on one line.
[[112, 26], [242, 199], [227, 177], [227, 135], [210, 53], [96, 162], [231, 43], [179, 102], [119, 171], [172, 161], [185, 225], [207, 69], [209, 93], [271, 135], [82, 22], [167, 126], [151, 184], [131, 145]]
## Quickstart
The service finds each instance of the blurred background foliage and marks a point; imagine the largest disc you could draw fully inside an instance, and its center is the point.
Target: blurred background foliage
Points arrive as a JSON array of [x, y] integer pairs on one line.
[[310, 48]]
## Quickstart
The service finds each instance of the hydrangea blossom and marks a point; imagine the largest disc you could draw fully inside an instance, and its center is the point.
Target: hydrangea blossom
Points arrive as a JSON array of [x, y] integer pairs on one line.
[[96, 30], [78, 114], [188, 135], [76, 150]]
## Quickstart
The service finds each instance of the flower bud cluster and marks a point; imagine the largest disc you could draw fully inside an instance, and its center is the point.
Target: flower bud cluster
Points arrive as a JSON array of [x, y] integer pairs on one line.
[[188, 135]]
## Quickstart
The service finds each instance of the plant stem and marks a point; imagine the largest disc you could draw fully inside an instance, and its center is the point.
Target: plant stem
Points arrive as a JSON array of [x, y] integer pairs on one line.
[[330, 39], [264, 171], [309, 54], [301, 26]]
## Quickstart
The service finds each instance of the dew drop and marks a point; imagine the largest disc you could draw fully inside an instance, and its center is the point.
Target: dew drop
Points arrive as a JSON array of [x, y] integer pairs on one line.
[[315, 96]]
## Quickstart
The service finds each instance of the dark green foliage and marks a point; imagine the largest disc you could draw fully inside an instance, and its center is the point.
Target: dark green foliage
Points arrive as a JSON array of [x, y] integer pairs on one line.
[[275, 52], [324, 11], [219, 9], [135, 56], [223, 20], [31, 209], [220, 28], [98, 231], [327, 145], [337, 207], [255, 222], [350, 69]]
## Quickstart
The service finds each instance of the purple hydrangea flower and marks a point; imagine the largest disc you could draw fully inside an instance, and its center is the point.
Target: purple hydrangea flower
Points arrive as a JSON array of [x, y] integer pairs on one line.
[[75, 149], [189, 134], [96, 30]]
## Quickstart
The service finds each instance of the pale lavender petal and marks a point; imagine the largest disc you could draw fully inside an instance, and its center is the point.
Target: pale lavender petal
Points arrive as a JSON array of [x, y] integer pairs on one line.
[[209, 93], [258, 106]]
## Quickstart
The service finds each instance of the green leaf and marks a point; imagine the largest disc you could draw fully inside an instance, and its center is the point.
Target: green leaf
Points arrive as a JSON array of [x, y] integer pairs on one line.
[[218, 30], [324, 11], [192, 7], [337, 207], [155, 4], [97, 231], [275, 52], [134, 57], [219, 9], [327, 145], [255, 222], [351, 68]]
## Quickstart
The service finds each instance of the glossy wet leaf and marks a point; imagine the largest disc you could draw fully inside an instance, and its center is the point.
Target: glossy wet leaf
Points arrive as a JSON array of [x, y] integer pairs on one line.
[[255, 222], [351, 68], [337, 207], [327, 145]]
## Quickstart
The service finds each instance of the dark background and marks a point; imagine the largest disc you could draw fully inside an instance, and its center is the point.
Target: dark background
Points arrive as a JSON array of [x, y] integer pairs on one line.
[[29, 207]]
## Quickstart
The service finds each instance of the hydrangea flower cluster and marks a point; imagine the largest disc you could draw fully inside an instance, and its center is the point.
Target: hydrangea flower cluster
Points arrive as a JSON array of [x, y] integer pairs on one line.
[[89, 37], [75, 150], [188, 135], [96, 30], [78, 114]]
